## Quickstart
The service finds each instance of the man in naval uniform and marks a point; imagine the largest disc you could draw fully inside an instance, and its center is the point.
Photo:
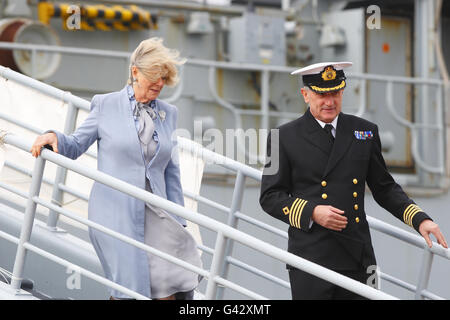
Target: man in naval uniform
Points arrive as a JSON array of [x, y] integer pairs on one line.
[[324, 159]]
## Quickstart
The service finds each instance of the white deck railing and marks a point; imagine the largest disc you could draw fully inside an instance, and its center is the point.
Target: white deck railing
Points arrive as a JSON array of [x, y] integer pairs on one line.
[[224, 232]]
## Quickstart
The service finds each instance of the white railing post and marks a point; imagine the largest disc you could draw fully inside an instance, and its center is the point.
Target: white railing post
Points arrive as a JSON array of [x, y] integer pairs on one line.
[[218, 257], [61, 173], [440, 120], [27, 226], [265, 118], [236, 204], [425, 271]]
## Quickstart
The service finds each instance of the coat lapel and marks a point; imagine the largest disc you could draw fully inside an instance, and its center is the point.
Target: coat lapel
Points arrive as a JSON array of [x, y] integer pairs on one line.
[[125, 108], [316, 135], [125, 103], [341, 144], [158, 128]]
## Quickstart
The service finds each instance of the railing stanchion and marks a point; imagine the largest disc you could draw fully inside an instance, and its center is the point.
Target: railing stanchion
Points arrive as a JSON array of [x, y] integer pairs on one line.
[[425, 271], [218, 257], [236, 204], [27, 226], [61, 173]]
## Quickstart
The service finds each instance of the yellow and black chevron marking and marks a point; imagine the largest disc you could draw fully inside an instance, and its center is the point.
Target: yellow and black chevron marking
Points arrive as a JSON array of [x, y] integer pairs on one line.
[[99, 17], [409, 213], [295, 212]]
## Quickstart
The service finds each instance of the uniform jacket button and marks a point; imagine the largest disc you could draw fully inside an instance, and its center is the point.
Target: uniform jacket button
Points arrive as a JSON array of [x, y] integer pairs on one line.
[[324, 196], [357, 220], [355, 194], [324, 183], [356, 207], [355, 181]]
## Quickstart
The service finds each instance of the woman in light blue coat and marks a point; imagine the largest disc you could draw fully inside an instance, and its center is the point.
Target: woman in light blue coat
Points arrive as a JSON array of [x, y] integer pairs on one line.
[[136, 143]]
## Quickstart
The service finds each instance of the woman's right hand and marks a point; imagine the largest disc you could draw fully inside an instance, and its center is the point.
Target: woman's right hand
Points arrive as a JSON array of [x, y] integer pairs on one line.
[[42, 140]]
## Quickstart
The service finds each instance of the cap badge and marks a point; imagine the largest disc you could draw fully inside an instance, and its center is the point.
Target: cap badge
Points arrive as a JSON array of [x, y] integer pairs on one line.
[[329, 74]]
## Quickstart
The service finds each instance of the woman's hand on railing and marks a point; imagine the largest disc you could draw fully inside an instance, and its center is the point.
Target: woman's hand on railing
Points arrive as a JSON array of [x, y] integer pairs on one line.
[[46, 139], [427, 227]]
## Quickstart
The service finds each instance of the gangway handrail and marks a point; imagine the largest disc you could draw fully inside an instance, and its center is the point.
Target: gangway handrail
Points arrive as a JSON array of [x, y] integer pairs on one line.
[[374, 223], [222, 229]]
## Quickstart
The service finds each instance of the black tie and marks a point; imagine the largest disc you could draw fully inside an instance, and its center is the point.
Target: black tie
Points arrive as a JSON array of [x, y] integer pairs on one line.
[[328, 128]]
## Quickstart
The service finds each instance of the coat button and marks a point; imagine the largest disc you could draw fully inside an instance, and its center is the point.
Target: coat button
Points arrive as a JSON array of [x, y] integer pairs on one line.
[[357, 220], [324, 183], [355, 181], [324, 196], [356, 207], [355, 194]]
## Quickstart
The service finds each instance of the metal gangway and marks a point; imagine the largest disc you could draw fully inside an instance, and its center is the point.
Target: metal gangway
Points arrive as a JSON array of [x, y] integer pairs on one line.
[[226, 234]]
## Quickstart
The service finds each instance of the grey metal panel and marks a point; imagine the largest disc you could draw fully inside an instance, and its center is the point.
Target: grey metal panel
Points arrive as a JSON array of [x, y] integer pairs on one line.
[[257, 39], [389, 53]]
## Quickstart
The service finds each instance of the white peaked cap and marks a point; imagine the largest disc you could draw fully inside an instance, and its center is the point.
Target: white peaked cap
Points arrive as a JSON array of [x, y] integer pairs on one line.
[[318, 67]]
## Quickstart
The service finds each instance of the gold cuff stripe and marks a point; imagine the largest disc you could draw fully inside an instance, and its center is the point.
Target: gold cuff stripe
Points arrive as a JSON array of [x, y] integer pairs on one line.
[[300, 215], [411, 216], [406, 213], [409, 213], [296, 212], [292, 210], [329, 89]]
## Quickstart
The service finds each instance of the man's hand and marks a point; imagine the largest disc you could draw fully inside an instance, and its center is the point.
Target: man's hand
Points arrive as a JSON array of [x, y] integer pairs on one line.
[[426, 227], [329, 217]]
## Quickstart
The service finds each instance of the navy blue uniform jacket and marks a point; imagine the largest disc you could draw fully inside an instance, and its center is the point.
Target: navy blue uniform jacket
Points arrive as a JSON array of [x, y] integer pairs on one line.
[[314, 171]]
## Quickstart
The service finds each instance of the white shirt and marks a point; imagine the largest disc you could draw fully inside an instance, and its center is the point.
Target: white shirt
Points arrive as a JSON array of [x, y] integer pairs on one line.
[[333, 123]]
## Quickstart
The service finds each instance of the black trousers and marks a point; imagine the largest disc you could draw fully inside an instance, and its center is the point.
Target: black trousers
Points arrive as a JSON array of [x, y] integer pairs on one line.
[[305, 286]]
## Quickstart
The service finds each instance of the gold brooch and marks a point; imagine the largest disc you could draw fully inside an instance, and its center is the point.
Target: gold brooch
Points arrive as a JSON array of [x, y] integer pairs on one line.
[[329, 74]]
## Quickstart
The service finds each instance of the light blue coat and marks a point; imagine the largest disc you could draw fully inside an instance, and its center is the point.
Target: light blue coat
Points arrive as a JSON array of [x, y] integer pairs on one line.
[[111, 124]]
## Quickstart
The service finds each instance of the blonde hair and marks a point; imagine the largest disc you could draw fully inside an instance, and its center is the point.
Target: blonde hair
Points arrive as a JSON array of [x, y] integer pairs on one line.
[[155, 61]]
